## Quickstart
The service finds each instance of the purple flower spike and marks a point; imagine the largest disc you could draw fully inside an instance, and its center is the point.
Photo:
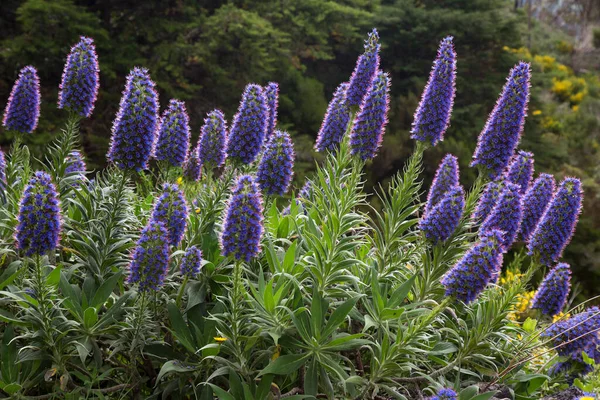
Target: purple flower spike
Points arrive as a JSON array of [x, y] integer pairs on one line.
[[192, 167], [191, 262], [76, 164], [39, 222], [171, 209], [553, 291], [432, 117], [150, 260], [249, 126], [520, 170], [535, 202], [3, 180], [487, 201], [446, 178], [243, 224], [502, 132], [440, 222], [80, 80], [277, 165], [335, 122], [272, 94], [506, 215], [371, 119], [476, 269], [557, 225], [366, 68], [445, 394], [134, 127], [213, 134], [23, 108], [173, 134]]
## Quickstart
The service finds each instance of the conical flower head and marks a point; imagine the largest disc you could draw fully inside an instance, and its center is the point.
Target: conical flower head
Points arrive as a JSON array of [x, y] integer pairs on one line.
[[75, 167], [365, 70], [488, 200], [557, 225], [192, 167], [23, 108], [446, 178], [213, 135], [571, 337], [432, 117], [502, 132], [80, 79], [277, 165], [150, 259], [520, 170], [440, 222], [506, 215], [191, 262], [249, 126], [335, 122], [445, 394], [134, 127], [371, 119], [535, 202], [171, 209], [272, 94], [39, 222], [553, 291], [3, 180], [476, 269], [243, 223], [173, 134]]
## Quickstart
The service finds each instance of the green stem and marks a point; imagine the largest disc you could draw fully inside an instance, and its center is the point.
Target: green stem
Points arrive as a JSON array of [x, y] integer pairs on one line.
[[181, 291], [138, 323]]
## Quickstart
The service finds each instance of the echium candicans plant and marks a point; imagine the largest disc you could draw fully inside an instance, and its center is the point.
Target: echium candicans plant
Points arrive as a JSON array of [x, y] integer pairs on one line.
[[213, 135], [134, 128], [243, 223], [336, 120], [446, 178], [479, 267], [557, 225], [432, 117], [506, 215], [150, 258], [2, 171], [520, 170], [365, 71], [552, 294], [171, 209], [191, 262], [272, 95], [369, 125], [249, 126], [192, 169], [535, 202], [487, 201], [80, 79], [75, 164], [173, 134], [22, 111], [39, 221], [276, 167], [440, 221], [502, 132], [445, 394]]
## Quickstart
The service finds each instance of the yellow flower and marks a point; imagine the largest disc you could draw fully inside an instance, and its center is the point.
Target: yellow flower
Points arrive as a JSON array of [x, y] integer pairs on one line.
[[537, 112], [220, 339], [575, 108], [179, 180], [197, 210], [586, 398], [276, 354], [559, 316]]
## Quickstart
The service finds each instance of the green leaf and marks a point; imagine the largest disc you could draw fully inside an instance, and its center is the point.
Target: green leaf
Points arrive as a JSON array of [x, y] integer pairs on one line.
[[468, 393], [180, 328], [484, 396], [90, 317], [53, 277], [285, 365], [10, 274], [443, 348], [105, 290], [12, 388], [529, 325], [221, 394], [173, 366], [400, 294], [339, 315]]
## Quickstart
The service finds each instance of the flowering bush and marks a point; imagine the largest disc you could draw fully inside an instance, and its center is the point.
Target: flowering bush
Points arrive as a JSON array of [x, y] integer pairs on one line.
[[203, 280]]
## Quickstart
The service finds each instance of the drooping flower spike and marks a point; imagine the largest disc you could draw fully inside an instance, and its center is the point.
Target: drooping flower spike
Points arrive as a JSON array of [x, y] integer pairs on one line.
[[365, 70], [23, 108], [476, 269], [506, 215], [173, 134], [135, 125], [191, 262], [213, 135], [243, 223], [276, 167], [150, 259], [249, 126], [502, 132], [440, 222], [432, 117], [446, 178], [39, 222], [192, 167], [335, 122], [80, 80], [535, 202], [553, 291], [371, 119], [487, 201], [272, 94], [445, 394], [171, 209], [557, 225], [520, 170]]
